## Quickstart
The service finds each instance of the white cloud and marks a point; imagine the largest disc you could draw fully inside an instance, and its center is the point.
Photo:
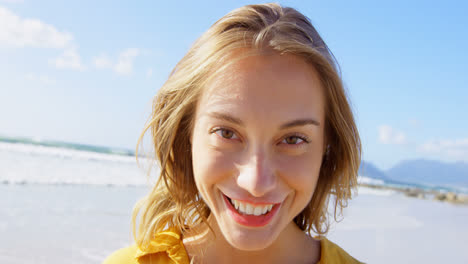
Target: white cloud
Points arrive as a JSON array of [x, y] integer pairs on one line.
[[102, 62], [20, 32], [149, 73], [42, 78], [23, 32], [69, 59], [123, 65], [449, 148], [389, 135]]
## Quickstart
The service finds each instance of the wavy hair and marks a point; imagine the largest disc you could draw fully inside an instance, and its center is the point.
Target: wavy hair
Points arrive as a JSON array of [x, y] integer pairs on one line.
[[174, 201]]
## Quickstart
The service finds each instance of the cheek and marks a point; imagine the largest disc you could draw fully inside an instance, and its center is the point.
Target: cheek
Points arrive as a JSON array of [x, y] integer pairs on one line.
[[301, 172], [210, 166]]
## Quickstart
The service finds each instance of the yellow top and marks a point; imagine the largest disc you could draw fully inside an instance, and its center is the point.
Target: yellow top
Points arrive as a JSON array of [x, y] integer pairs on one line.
[[167, 247]]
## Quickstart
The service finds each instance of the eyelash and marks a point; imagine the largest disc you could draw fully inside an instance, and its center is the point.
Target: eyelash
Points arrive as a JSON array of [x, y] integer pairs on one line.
[[302, 137], [295, 135]]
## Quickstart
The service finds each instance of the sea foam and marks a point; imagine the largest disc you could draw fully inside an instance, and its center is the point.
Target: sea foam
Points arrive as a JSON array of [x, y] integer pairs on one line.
[[36, 164]]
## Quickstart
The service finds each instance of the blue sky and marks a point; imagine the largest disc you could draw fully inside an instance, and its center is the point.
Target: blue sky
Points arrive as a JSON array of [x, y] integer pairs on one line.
[[85, 71]]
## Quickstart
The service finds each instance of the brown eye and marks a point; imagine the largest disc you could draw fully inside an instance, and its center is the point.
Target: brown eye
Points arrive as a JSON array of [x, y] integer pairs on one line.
[[226, 133], [293, 140]]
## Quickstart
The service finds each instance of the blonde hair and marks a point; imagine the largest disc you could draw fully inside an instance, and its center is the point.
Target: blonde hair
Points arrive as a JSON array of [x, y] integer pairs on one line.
[[174, 201]]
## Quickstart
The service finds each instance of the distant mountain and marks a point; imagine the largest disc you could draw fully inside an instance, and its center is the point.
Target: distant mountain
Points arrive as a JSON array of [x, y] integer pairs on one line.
[[421, 173], [368, 169], [430, 172]]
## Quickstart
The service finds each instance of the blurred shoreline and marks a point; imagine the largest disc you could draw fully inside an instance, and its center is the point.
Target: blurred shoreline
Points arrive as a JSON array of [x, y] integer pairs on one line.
[[420, 193]]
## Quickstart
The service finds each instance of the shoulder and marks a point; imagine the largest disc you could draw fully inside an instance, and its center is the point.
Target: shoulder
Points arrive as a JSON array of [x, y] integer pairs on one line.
[[121, 256], [332, 253]]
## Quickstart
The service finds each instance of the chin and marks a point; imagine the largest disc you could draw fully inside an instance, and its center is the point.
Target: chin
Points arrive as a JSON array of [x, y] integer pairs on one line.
[[248, 240]]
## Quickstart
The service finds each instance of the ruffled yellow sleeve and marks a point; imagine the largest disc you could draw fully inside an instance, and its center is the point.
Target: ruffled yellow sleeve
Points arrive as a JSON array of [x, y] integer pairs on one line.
[[166, 247], [332, 253]]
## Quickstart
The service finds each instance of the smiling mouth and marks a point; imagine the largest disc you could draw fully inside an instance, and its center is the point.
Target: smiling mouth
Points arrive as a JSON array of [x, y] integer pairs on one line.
[[247, 214], [250, 209]]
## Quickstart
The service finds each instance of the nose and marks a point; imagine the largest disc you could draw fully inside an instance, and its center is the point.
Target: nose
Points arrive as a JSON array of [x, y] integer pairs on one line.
[[257, 176]]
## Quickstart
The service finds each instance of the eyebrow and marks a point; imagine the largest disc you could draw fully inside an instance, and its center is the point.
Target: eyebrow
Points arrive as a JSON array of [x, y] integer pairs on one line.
[[227, 118], [293, 123], [300, 122]]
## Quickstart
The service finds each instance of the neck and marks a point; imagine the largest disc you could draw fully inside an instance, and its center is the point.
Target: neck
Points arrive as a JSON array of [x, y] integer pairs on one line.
[[292, 246]]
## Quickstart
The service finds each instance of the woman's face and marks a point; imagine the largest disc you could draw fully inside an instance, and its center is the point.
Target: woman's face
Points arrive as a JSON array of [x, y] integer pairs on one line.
[[257, 146]]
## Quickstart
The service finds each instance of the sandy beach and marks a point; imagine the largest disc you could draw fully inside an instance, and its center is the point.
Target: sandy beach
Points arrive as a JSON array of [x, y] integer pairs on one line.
[[384, 226], [83, 224]]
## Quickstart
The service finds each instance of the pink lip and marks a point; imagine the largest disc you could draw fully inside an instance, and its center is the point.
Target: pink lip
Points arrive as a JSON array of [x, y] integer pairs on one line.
[[250, 220]]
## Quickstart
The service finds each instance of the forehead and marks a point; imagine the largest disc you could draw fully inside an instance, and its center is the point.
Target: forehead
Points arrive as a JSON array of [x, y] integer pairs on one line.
[[263, 85]]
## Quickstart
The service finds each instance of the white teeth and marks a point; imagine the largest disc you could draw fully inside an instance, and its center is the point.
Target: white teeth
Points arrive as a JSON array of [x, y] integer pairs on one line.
[[258, 210], [250, 209], [241, 207], [265, 209]]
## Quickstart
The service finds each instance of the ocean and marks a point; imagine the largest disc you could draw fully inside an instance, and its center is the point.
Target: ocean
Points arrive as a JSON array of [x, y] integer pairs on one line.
[[62, 163]]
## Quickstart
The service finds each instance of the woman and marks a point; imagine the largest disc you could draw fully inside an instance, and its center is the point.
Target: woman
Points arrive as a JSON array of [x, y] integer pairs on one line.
[[254, 134]]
